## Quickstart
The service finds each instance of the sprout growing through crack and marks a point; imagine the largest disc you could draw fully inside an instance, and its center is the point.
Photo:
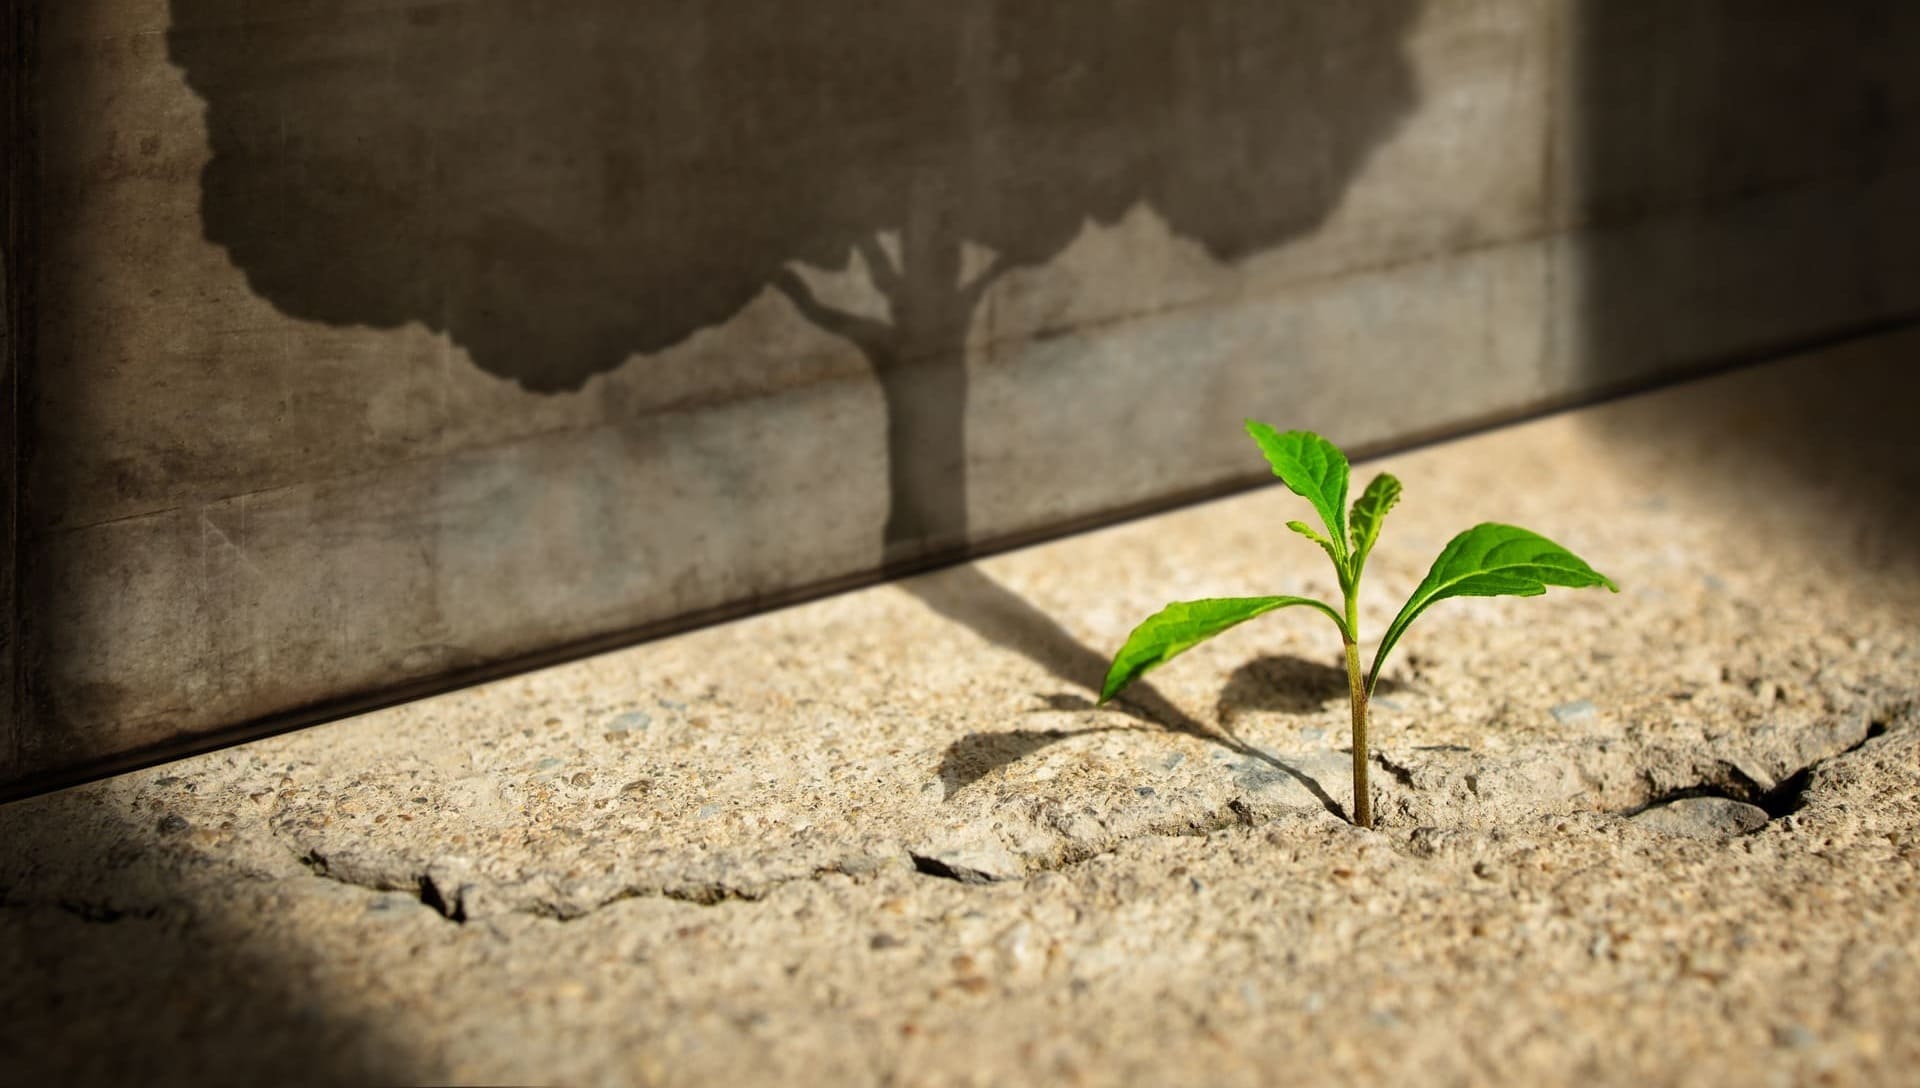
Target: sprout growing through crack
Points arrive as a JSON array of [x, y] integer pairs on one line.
[[1488, 560]]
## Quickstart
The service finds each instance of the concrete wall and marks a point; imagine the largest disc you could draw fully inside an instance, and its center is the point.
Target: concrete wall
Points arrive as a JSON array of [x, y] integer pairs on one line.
[[373, 344]]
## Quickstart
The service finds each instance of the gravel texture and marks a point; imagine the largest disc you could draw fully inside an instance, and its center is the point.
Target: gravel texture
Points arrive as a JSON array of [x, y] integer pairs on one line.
[[1671, 835]]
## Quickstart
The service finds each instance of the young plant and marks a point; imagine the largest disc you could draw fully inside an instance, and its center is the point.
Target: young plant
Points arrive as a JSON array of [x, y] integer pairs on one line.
[[1487, 560]]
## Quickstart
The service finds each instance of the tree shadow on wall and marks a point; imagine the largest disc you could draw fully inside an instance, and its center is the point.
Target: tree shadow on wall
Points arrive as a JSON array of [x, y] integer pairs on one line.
[[559, 188], [560, 193]]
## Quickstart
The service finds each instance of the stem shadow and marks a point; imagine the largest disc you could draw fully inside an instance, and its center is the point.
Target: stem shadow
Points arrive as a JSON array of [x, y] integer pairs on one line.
[[967, 596]]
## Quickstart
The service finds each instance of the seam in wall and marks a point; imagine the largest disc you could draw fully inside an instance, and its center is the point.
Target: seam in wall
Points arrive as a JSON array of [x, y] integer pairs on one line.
[[17, 22]]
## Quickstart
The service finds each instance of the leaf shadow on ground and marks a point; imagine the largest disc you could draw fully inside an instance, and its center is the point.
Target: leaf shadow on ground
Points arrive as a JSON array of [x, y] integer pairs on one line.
[[1288, 684], [968, 596]]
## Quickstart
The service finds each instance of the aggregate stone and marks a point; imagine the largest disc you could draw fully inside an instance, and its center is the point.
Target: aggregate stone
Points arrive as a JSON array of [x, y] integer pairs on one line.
[[1704, 817], [887, 837]]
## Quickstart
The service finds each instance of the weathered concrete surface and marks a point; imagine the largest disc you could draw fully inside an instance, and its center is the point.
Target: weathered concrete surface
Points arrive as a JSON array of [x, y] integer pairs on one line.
[[883, 838], [380, 340]]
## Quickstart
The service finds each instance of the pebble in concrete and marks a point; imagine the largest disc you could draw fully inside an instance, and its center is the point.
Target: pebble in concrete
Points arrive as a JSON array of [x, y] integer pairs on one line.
[[1704, 817]]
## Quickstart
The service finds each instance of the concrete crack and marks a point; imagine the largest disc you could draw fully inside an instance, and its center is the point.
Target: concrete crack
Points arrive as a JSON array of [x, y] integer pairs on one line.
[[1401, 773], [1782, 798], [442, 889], [93, 912], [456, 889]]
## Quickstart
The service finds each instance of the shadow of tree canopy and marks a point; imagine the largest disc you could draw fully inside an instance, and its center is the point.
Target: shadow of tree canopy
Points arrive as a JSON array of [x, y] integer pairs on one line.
[[560, 187]]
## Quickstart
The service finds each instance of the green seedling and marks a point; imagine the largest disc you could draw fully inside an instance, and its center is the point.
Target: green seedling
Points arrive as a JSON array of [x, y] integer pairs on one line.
[[1488, 560]]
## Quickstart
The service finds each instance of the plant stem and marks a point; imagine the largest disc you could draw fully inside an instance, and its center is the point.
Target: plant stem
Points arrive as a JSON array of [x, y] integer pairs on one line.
[[1357, 698]]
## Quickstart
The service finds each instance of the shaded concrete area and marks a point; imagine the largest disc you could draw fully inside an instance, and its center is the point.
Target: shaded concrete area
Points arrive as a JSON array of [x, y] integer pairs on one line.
[[1699, 163], [176, 964], [752, 852]]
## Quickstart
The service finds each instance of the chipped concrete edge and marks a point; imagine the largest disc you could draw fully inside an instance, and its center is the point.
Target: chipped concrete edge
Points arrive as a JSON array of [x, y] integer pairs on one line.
[[1719, 792], [442, 887]]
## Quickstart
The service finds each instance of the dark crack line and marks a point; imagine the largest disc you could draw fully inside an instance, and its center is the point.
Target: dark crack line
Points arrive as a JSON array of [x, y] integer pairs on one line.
[[103, 913], [929, 865], [714, 893], [430, 897], [450, 903], [1400, 772], [89, 911]]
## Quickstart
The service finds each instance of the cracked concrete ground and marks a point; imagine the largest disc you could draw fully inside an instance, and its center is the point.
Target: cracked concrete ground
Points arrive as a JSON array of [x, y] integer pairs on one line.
[[1671, 835]]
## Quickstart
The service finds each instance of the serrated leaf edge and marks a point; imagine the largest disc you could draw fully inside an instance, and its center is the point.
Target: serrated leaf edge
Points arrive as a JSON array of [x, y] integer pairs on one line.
[[1333, 510], [1363, 546]]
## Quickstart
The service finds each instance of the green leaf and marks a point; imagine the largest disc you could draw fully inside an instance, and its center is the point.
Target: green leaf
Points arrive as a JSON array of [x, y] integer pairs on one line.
[[1183, 625], [1309, 532], [1326, 545], [1314, 469], [1490, 560], [1369, 510]]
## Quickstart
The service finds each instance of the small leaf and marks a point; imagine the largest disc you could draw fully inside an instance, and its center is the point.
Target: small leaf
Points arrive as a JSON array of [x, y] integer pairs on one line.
[[1314, 469], [1326, 545], [1369, 510], [1185, 624], [1490, 560], [1309, 532]]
